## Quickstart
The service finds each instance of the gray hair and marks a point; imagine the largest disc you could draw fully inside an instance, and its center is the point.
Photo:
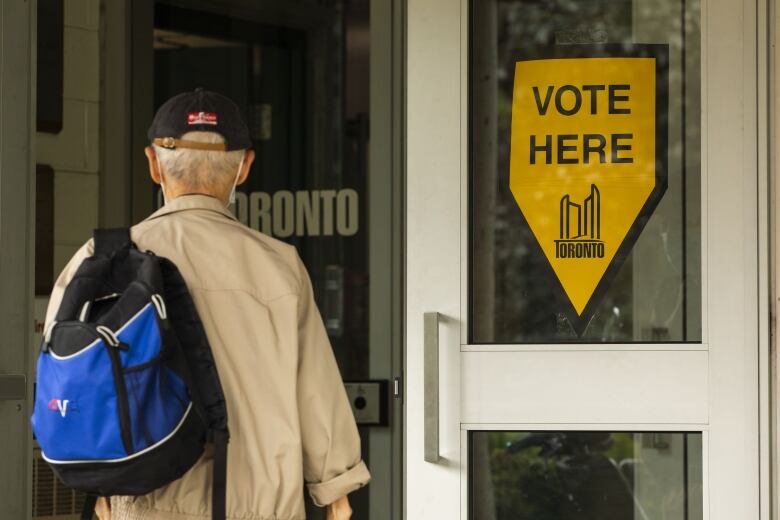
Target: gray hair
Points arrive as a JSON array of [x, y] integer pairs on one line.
[[199, 169]]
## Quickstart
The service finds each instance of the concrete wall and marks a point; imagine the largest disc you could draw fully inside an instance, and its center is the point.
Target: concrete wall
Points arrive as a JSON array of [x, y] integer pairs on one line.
[[74, 152]]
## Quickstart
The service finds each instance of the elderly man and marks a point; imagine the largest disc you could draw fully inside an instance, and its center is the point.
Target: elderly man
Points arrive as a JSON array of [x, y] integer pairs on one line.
[[289, 416]]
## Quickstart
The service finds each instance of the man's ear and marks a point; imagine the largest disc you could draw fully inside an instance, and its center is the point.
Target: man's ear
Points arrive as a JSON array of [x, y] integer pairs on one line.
[[151, 158], [249, 158]]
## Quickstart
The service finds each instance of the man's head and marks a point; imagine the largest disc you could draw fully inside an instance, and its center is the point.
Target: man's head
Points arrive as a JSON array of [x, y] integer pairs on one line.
[[199, 144]]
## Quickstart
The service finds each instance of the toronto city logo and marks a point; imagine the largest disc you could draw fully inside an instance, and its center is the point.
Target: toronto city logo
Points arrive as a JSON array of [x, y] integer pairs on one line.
[[580, 233]]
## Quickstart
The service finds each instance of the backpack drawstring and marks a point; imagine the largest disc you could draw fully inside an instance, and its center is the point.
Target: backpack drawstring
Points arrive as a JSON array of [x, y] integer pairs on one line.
[[159, 304], [107, 335]]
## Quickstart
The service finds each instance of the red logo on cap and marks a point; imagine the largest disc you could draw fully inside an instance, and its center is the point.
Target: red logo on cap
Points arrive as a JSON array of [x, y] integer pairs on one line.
[[202, 118]]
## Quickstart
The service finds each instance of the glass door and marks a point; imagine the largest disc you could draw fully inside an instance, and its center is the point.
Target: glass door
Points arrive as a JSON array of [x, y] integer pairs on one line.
[[316, 83], [582, 269]]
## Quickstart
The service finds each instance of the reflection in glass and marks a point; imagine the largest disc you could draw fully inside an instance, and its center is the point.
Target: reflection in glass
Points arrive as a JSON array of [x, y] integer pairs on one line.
[[585, 476], [656, 294]]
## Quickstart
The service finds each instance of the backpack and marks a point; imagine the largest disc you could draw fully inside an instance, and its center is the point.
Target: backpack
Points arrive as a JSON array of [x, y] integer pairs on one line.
[[127, 392]]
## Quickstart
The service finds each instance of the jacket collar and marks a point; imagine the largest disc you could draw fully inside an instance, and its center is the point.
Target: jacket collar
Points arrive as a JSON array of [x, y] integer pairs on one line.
[[193, 201]]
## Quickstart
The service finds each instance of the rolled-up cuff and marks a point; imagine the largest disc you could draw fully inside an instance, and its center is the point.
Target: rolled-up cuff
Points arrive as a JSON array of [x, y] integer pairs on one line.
[[327, 492]]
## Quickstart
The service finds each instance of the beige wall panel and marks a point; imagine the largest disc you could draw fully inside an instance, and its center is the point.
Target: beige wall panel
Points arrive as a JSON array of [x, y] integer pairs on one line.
[[17, 234], [83, 13], [75, 148], [75, 207], [82, 65]]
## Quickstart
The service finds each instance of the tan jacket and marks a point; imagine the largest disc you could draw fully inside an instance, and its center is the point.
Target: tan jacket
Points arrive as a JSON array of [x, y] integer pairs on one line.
[[288, 413]]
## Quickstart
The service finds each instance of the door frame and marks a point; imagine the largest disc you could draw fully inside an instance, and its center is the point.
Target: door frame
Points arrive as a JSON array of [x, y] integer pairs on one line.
[[437, 48], [18, 31]]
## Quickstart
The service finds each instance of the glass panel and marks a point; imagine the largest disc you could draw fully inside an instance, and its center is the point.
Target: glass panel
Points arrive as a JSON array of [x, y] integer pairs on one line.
[[585, 476], [528, 283], [300, 73]]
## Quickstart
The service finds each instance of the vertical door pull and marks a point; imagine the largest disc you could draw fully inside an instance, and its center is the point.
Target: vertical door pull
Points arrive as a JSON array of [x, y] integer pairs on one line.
[[431, 385]]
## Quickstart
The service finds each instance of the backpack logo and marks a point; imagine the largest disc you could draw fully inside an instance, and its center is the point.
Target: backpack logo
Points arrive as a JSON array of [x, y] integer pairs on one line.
[[62, 405]]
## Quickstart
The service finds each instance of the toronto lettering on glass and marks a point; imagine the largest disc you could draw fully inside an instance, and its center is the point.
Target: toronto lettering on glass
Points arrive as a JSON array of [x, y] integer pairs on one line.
[[302, 213], [309, 213]]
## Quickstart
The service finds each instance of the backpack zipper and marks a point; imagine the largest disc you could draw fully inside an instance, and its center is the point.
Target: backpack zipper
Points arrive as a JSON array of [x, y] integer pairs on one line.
[[113, 345], [122, 400]]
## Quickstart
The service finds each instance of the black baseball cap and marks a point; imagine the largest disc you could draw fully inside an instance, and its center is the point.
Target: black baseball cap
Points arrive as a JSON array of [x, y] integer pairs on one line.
[[199, 110]]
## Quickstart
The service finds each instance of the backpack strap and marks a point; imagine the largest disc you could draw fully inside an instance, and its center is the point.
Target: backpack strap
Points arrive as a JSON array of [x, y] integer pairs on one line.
[[88, 510], [219, 487], [109, 240]]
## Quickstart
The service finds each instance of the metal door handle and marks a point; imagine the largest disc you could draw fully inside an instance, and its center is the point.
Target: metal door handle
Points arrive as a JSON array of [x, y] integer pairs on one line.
[[431, 385]]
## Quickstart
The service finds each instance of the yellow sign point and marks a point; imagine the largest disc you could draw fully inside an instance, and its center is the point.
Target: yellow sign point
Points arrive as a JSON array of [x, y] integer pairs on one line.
[[588, 161]]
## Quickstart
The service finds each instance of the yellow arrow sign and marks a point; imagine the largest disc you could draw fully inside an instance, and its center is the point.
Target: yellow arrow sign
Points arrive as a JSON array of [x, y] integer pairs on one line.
[[588, 160]]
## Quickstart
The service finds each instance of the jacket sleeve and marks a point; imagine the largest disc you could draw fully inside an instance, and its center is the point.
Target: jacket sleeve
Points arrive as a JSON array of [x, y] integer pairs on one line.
[[332, 464], [64, 279]]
